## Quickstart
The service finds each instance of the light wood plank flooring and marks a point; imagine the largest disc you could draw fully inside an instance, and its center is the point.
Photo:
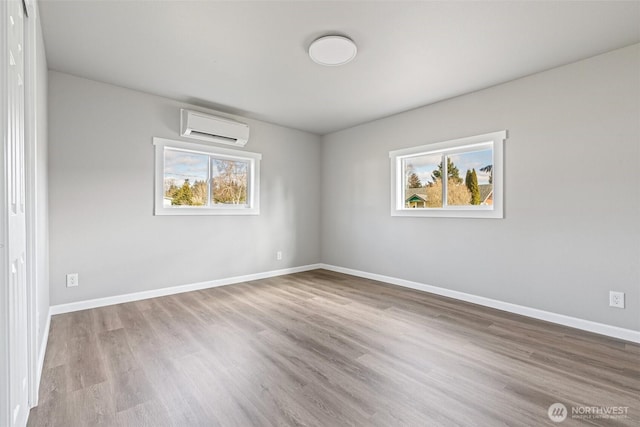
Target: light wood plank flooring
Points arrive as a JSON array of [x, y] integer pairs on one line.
[[324, 349]]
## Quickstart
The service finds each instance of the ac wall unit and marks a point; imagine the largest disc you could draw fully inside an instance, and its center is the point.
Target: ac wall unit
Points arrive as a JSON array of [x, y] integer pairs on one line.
[[194, 124]]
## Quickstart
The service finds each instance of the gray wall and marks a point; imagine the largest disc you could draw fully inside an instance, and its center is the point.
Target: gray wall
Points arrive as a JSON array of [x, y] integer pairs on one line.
[[42, 196], [572, 226], [101, 168]]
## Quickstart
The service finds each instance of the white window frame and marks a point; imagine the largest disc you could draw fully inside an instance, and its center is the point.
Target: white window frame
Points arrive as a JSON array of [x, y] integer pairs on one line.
[[252, 206], [455, 146]]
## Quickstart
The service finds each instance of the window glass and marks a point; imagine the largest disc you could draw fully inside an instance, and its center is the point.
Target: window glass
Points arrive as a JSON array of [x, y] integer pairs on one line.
[[470, 181], [420, 183], [186, 177], [229, 181]]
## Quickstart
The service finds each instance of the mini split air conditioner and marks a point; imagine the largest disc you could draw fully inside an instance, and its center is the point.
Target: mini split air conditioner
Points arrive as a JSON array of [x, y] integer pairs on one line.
[[194, 124]]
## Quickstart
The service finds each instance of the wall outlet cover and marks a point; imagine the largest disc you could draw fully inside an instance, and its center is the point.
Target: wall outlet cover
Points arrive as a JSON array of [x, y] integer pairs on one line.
[[72, 280], [616, 299]]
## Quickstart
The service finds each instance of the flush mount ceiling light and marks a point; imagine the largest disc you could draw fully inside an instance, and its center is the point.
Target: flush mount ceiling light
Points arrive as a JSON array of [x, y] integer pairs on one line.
[[332, 50]]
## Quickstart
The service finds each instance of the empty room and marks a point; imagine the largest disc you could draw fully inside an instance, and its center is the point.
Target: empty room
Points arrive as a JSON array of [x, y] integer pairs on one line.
[[319, 213]]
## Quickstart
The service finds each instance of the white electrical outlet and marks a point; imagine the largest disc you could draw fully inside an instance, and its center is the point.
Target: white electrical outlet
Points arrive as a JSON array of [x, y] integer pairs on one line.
[[279, 255], [616, 299], [72, 280]]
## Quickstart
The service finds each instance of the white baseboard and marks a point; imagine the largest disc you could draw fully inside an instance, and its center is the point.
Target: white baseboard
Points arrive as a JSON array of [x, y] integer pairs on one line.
[[43, 349], [136, 296], [561, 319]]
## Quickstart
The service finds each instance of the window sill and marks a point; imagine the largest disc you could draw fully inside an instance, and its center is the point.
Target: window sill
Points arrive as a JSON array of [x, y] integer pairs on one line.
[[205, 211], [448, 213]]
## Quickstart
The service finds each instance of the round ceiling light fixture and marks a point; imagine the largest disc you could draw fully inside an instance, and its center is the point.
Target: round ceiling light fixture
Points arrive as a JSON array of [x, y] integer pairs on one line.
[[333, 50]]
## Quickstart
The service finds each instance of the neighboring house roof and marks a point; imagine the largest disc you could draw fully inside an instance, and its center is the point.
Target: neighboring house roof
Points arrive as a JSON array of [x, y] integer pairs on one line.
[[416, 198], [485, 191], [418, 194]]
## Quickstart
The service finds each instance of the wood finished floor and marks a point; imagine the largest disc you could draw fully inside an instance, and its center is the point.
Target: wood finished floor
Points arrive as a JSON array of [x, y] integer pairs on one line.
[[324, 349]]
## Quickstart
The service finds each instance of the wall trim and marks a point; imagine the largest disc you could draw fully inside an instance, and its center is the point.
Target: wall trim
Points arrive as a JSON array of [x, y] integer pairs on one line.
[[41, 353], [136, 296], [561, 319]]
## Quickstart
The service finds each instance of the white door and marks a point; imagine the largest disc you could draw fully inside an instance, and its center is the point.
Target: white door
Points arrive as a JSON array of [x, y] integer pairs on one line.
[[15, 217]]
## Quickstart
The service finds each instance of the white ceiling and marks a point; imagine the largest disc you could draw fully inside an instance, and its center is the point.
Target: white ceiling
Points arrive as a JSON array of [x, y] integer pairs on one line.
[[250, 58]]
